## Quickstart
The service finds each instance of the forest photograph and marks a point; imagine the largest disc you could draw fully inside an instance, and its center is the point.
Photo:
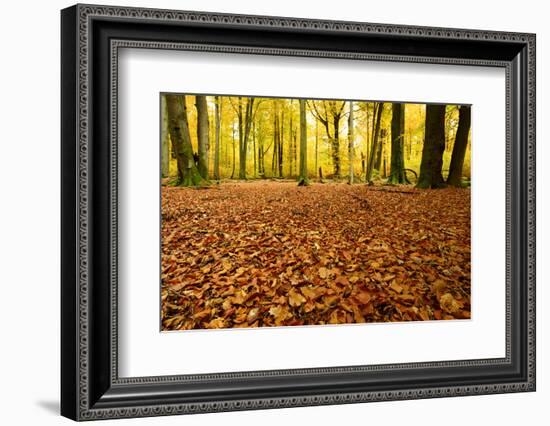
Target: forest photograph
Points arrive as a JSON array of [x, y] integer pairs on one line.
[[305, 212]]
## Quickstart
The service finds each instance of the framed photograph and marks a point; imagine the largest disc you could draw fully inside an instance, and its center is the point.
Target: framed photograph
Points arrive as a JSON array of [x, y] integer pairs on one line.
[[263, 212]]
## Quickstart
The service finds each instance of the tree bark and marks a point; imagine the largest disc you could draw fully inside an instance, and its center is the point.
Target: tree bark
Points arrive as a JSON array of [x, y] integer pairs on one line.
[[397, 165], [233, 146], [281, 141], [303, 180], [244, 127], [164, 141], [202, 135], [276, 139], [434, 145], [459, 149], [375, 137], [316, 144], [379, 149], [290, 142], [350, 142], [188, 173], [336, 146], [218, 137]]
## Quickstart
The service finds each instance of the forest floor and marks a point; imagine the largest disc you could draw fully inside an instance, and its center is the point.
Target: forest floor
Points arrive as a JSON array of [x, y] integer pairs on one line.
[[268, 253]]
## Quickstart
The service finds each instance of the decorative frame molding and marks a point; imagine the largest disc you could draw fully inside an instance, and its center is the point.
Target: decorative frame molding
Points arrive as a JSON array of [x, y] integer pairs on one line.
[[91, 388]]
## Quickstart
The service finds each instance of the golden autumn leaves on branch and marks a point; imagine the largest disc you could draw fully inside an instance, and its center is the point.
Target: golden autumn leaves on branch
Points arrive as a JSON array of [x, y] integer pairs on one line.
[[280, 238]]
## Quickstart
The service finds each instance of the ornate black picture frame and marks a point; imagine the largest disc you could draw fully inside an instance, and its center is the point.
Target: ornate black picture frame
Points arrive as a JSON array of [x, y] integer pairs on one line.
[[91, 37]]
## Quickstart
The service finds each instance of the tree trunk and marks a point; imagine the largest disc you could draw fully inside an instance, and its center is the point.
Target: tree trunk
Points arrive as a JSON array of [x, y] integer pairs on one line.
[[303, 180], [375, 137], [397, 167], [244, 127], [434, 145], [202, 134], [336, 147], [385, 161], [379, 149], [316, 144], [261, 163], [281, 141], [188, 173], [275, 129], [233, 145], [218, 136], [459, 149], [290, 141], [350, 142], [365, 155], [164, 141], [254, 149]]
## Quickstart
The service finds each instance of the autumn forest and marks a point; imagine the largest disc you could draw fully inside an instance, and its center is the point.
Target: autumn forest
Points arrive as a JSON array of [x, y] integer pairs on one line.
[[281, 212]]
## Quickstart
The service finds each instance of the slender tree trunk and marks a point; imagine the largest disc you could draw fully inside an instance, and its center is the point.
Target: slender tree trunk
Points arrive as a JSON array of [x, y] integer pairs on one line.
[[202, 134], [434, 145], [303, 180], [379, 149], [385, 161], [410, 141], [330, 143], [233, 144], [218, 137], [275, 158], [397, 167], [281, 141], [254, 148], [368, 137], [375, 109], [164, 141], [459, 148], [350, 142], [375, 135], [290, 140], [242, 158], [316, 145], [261, 163], [245, 126], [188, 173], [336, 147], [295, 152]]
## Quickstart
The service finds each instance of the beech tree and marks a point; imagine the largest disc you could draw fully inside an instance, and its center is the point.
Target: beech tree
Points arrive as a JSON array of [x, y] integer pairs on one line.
[[350, 142], [397, 164], [303, 179], [277, 159], [378, 109], [460, 145], [178, 125], [164, 139], [218, 114], [245, 118], [329, 113], [434, 145], [202, 135]]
